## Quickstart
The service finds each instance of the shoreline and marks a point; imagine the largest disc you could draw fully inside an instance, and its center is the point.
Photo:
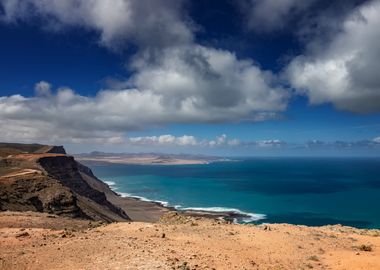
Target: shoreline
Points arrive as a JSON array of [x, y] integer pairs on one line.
[[144, 161], [228, 214], [231, 215]]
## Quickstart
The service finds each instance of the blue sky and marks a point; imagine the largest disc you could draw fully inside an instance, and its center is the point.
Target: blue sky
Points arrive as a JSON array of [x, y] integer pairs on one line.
[[226, 77]]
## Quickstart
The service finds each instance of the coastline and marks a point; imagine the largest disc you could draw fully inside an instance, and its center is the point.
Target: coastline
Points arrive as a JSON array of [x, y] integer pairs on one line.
[[157, 235], [143, 161], [138, 207]]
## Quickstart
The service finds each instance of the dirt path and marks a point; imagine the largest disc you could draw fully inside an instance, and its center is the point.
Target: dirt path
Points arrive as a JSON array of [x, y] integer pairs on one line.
[[20, 173]]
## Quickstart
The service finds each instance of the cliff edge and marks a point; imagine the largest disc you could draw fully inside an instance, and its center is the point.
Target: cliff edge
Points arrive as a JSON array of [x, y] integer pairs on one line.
[[44, 178]]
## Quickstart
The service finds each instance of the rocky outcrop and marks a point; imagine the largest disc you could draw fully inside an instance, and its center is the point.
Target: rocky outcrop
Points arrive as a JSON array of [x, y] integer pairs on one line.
[[67, 171], [18, 148], [53, 183], [52, 150], [36, 192]]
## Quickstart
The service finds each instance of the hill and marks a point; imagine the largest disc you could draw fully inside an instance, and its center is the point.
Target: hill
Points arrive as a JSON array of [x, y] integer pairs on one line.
[[43, 178], [19, 148]]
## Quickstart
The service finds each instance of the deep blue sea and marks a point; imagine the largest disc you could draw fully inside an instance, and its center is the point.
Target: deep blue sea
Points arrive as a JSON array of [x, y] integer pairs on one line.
[[309, 191]]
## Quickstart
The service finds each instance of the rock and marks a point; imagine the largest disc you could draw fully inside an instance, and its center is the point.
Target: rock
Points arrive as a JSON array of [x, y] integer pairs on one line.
[[22, 234], [52, 182]]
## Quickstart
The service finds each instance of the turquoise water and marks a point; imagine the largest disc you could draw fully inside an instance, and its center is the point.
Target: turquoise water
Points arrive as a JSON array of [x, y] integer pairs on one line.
[[292, 190]]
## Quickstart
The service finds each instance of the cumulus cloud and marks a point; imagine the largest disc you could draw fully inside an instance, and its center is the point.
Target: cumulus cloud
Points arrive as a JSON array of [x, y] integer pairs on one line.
[[345, 70], [189, 140], [185, 140], [67, 116], [43, 88], [173, 79], [165, 140], [270, 15], [270, 143], [209, 82], [146, 23], [304, 19], [223, 141]]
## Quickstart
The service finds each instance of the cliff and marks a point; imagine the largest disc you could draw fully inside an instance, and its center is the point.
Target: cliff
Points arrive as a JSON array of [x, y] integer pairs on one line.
[[44, 179], [19, 148]]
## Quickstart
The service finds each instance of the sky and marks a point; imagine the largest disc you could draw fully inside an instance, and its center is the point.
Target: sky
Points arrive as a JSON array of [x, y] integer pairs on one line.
[[233, 78]]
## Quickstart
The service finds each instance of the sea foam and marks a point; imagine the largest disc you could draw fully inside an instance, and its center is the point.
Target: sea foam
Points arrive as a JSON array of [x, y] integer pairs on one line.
[[123, 194], [110, 183], [246, 217]]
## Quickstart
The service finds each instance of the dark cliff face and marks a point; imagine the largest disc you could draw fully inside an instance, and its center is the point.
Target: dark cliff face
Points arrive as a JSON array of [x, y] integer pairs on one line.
[[84, 169], [57, 150], [68, 172], [38, 193], [44, 179]]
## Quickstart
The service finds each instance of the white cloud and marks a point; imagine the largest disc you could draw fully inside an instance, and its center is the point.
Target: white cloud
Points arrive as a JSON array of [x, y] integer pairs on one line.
[[174, 80], [269, 143], [144, 22], [185, 140], [345, 70], [234, 142], [43, 88], [223, 141], [189, 85], [210, 83], [271, 15], [220, 140], [164, 140]]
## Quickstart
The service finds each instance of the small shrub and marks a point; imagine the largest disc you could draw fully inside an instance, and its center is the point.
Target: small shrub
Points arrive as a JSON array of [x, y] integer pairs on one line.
[[314, 258], [365, 248]]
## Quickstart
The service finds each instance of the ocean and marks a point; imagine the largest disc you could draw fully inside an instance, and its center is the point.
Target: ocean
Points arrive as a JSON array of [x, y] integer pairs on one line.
[[307, 191]]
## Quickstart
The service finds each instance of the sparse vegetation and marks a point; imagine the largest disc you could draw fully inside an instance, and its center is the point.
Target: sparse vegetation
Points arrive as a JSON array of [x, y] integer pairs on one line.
[[313, 258], [366, 248]]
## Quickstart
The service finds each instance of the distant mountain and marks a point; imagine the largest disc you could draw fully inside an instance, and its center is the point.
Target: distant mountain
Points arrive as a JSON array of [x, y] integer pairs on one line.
[[148, 154], [145, 158]]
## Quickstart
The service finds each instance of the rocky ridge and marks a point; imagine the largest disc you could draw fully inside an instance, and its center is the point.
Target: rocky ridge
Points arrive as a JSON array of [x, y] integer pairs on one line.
[[44, 179]]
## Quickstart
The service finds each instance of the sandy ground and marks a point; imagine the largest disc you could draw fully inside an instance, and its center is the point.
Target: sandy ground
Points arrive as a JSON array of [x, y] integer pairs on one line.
[[139, 210], [36, 241]]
